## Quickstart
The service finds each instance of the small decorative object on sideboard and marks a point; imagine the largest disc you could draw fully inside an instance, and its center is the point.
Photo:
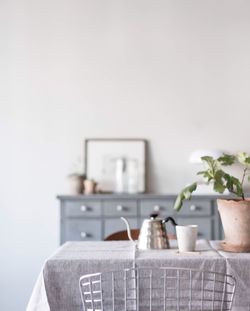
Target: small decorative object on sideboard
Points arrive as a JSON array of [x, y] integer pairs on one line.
[[76, 178], [90, 186], [234, 213], [75, 183]]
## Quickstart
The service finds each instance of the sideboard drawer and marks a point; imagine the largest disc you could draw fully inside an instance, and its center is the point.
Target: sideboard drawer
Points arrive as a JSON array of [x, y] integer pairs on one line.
[[196, 208], [120, 208], [162, 207], [83, 230], [82, 208]]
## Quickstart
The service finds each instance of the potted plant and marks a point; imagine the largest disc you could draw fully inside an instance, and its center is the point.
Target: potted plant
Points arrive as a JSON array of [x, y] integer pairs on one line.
[[76, 178], [234, 212], [76, 181]]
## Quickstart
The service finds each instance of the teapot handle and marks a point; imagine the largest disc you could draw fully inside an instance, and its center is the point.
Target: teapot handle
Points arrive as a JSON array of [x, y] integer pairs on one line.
[[171, 219]]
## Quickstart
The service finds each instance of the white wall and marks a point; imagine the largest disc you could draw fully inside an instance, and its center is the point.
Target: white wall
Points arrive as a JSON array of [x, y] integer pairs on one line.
[[174, 72]]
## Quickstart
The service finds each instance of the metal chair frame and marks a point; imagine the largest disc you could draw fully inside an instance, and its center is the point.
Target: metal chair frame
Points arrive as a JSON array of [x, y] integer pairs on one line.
[[157, 289]]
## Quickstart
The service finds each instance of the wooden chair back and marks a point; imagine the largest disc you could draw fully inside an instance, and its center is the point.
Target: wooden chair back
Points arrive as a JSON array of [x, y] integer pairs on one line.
[[123, 235]]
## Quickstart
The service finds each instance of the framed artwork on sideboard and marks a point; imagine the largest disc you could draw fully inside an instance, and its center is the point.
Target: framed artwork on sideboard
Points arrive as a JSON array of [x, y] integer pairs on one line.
[[117, 165]]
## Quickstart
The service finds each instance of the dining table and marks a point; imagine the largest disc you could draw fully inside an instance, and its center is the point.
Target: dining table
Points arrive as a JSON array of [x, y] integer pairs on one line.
[[57, 286]]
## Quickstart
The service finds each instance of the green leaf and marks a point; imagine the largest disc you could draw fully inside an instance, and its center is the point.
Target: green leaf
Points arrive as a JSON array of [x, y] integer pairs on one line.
[[208, 160], [219, 187], [212, 165], [219, 177], [226, 159], [206, 175], [178, 202], [185, 194], [244, 158], [233, 185], [219, 181]]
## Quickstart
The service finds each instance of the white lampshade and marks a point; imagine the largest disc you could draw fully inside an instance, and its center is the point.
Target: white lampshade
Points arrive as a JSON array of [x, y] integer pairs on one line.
[[195, 156]]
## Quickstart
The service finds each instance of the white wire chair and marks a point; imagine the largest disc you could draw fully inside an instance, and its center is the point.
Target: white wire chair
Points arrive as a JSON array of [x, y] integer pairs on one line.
[[157, 289]]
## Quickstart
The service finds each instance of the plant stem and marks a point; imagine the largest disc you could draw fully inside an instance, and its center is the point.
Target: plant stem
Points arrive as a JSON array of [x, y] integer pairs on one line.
[[242, 181], [244, 175]]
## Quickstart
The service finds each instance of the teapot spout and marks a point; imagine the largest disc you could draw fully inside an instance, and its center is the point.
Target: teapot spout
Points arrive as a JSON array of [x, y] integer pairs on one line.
[[128, 229]]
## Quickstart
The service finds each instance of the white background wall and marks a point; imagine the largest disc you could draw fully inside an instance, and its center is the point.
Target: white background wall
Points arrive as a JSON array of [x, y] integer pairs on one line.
[[174, 72]]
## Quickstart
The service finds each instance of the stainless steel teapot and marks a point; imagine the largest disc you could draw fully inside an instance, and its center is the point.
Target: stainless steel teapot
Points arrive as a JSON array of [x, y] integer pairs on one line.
[[153, 233]]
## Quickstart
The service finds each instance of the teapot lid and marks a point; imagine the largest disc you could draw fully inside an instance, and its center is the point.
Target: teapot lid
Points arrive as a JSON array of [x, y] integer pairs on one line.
[[154, 216]]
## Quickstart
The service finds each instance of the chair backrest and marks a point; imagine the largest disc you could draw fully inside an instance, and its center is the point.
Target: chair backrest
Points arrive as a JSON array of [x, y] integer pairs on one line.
[[123, 235], [157, 289]]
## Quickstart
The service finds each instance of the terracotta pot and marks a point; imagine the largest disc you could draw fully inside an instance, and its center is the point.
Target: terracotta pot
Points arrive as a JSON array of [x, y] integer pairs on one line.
[[89, 186], [235, 218]]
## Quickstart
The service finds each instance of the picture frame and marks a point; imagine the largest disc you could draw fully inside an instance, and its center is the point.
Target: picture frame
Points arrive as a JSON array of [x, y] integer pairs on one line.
[[117, 165]]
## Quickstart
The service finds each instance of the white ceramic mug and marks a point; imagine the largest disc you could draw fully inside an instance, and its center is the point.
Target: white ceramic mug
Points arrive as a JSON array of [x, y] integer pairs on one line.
[[186, 237]]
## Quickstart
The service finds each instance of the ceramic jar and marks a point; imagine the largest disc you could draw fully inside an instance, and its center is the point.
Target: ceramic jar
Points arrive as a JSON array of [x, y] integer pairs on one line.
[[75, 184]]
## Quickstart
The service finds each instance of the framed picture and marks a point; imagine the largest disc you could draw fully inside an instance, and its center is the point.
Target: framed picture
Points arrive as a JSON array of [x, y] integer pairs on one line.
[[117, 165]]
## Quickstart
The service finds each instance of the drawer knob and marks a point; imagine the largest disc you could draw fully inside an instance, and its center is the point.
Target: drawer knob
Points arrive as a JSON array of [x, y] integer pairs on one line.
[[84, 235], [84, 208], [157, 208], [193, 208], [119, 208]]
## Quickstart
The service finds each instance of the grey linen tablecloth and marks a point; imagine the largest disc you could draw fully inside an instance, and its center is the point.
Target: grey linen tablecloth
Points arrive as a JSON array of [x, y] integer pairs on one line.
[[238, 265], [57, 286]]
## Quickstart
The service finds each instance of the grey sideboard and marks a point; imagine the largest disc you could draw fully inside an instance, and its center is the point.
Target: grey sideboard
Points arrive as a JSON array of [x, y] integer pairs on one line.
[[93, 217]]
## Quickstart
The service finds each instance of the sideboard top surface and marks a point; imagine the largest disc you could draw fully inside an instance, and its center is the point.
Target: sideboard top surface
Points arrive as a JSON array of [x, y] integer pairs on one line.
[[148, 196]]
